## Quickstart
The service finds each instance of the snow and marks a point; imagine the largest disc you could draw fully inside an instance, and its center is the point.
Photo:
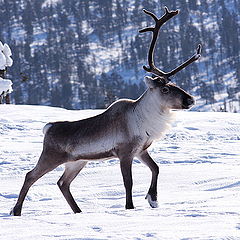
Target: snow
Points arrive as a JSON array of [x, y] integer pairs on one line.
[[5, 85], [1, 46], [6, 50], [2, 61], [198, 191], [48, 3], [5, 59]]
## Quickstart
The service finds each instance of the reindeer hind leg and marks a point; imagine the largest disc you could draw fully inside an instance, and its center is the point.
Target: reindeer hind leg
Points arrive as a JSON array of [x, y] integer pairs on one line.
[[72, 169], [45, 164]]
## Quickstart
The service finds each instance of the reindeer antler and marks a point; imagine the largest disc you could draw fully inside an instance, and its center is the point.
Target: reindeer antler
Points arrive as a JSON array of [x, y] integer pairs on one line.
[[195, 57], [155, 30]]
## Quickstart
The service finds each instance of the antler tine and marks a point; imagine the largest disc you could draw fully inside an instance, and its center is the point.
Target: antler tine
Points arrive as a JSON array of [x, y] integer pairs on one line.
[[155, 30], [151, 14], [195, 57]]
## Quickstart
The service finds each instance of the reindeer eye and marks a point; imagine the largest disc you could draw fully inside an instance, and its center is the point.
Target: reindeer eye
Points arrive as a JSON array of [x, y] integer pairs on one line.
[[165, 90]]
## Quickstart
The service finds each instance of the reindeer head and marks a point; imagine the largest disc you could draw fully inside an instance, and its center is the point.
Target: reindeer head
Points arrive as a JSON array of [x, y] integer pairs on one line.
[[170, 95]]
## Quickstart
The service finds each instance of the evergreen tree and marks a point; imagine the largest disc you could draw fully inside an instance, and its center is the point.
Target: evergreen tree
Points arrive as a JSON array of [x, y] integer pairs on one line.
[[57, 46]]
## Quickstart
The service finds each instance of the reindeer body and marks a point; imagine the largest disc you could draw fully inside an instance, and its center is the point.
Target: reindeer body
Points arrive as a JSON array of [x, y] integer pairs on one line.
[[98, 137], [125, 127], [125, 130]]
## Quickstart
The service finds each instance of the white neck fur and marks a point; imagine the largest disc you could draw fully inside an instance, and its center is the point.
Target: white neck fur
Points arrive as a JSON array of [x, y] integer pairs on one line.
[[152, 116]]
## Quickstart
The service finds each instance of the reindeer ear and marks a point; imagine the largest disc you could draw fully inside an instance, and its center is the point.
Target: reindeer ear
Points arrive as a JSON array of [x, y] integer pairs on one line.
[[154, 82], [150, 82]]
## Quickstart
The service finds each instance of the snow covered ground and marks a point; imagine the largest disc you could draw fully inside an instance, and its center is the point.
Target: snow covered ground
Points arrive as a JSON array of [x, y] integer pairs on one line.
[[199, 183]]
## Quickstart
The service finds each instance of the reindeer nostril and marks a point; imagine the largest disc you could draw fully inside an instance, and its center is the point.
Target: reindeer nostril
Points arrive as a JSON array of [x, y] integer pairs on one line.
[[190, 101]]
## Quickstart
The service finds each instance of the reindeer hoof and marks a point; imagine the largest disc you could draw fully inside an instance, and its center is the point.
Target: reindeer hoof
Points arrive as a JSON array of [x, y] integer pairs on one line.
[[152, 203], [77, 211], [15, 212], [129, 206]]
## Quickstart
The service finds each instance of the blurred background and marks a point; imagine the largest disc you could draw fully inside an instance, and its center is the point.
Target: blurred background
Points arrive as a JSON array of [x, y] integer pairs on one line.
[[80, 54]]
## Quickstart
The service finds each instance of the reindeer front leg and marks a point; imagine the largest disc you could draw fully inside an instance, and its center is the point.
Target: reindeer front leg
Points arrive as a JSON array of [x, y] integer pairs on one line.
[[152, 192], [126, 169]]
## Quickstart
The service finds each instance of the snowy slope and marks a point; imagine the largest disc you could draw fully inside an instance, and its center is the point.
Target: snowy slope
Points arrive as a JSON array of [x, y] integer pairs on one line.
[[199, 183]]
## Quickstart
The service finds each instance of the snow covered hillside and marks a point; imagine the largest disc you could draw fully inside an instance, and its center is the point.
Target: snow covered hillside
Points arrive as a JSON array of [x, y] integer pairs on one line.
[[85, 54], [199, 183]]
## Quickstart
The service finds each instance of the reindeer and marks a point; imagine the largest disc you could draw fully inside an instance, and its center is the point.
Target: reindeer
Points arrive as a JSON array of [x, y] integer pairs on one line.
[[124, 130]]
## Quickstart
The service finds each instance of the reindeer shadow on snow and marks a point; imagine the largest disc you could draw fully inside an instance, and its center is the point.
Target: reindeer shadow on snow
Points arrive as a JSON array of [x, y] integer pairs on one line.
[[124, 130]]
